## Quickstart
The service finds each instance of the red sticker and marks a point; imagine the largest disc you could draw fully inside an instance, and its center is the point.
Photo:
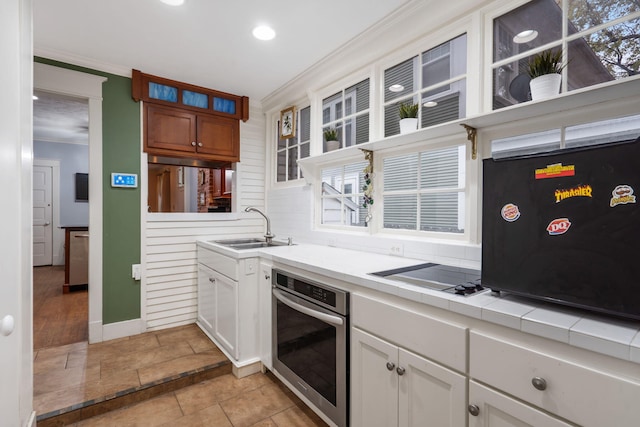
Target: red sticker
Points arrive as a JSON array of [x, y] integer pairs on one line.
[[555, 171], [558, 226]]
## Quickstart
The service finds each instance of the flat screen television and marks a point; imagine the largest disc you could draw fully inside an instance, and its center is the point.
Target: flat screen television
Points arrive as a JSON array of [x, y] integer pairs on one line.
[[82, 187], [565, 227]]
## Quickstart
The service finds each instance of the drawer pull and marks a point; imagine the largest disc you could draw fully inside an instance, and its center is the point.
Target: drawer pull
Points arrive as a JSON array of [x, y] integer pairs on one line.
[[539, 383], [390, 366], [193, 143], [400, 370], [474, 410]]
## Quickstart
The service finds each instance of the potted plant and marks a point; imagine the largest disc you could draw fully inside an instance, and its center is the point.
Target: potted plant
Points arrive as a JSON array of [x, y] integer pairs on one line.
[[408, 117], [544, 69], [331, 139]]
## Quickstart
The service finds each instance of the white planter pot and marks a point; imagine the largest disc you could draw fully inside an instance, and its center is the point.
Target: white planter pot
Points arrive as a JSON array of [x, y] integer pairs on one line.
[[408, 125], [333, 145], [546, 86]]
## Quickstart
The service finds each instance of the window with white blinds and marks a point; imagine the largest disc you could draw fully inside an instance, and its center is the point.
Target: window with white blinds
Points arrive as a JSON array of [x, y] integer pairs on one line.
[[342, 197], [288, 151], [425, 191], [347, 112], [435, 79]]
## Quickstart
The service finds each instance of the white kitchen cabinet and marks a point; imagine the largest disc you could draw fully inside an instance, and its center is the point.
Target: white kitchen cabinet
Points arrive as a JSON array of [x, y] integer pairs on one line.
[[226, 314], [218, 307], [489, 408], [391, 386], [228, 307], [206, 294], [559, 383]]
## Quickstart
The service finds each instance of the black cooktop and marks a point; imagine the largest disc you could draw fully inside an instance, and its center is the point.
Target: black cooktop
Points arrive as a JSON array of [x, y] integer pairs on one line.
[[458, 280]]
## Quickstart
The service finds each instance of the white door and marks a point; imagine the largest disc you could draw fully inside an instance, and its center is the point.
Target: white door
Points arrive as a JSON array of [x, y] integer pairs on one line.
[[226, 313], [16, 345], [206, 295], [430, 394], [42, 216], [374, 381]]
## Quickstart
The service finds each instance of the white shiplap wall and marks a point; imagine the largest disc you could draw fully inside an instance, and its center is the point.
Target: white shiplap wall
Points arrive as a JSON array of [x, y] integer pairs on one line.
[[169, 282]]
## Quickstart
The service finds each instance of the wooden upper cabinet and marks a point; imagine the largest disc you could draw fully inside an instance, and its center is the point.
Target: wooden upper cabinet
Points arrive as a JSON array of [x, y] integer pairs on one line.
[[183, 120]]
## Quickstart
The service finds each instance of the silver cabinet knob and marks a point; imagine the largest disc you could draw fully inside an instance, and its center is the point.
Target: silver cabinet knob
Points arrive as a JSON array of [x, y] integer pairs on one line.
[[400, 371], [267, 277], [193, 143], [539, 383], [212, 280], [390, 366], [199, 144], [474, 410]]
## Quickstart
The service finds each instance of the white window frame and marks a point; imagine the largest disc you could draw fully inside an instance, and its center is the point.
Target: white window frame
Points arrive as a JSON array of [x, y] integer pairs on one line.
[[274, 150], [341, 122], [493, 12]]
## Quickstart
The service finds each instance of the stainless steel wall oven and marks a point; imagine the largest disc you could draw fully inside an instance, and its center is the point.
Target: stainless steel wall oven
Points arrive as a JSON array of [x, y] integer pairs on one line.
[[310, 341]]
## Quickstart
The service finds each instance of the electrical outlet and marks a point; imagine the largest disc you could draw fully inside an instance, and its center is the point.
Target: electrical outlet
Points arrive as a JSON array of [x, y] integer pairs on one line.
[[396, 249]]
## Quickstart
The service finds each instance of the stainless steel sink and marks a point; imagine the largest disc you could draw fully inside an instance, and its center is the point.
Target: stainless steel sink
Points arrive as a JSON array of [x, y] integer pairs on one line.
[[248, 243]]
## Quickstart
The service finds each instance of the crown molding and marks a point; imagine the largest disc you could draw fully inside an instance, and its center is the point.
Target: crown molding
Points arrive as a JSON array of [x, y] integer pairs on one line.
[[81, 61]]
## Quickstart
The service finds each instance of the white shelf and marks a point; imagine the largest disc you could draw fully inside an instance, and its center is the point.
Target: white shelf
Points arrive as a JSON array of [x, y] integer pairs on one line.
[[625, 92]]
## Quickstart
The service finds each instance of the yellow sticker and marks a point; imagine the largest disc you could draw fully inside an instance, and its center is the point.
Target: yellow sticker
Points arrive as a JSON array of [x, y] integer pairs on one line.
[[555, 171], [581, 191]]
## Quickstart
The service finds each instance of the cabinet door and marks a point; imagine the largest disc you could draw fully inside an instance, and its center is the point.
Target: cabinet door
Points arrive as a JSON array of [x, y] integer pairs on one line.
[[219, 137], [226, 314], [374, 387], [169, 129], [206, 295], [430, 394], [497, 410]]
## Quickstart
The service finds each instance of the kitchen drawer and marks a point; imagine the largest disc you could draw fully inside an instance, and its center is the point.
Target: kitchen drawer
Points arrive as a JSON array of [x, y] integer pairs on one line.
[[220, 263], [436, 339], [578, 393]]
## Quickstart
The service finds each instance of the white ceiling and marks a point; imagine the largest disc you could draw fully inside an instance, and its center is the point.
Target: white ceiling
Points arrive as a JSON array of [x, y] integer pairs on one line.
[[204, 42]]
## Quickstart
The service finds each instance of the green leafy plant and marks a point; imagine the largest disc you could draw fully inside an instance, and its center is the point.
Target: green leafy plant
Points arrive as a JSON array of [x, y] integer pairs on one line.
[[330, 134], [547, 62], [408, 110]]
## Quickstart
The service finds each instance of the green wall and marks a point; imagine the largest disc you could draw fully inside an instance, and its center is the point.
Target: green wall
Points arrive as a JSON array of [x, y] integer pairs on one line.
[[121, 207]]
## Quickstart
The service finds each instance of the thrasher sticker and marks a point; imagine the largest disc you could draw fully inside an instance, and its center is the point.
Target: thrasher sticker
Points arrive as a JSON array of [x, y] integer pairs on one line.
[[622, 195], [510, 212], [555, 171], [581, 191], [558, 226]]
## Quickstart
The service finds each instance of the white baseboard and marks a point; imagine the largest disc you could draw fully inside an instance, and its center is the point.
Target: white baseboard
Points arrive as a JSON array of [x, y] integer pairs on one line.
[[95, 332], [127, 328], [32, 420]]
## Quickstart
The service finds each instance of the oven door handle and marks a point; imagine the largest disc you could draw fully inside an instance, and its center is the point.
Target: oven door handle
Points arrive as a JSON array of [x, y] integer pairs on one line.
[[328, 318]]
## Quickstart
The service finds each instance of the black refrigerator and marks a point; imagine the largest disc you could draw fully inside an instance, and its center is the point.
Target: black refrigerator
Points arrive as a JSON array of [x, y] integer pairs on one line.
[[565, 227]]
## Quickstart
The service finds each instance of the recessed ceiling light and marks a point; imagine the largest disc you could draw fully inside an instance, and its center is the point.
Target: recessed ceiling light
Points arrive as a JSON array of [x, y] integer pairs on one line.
[[264, 32], [525, 36], [396, 88], [35, 97], [173, 2], [430, 104]]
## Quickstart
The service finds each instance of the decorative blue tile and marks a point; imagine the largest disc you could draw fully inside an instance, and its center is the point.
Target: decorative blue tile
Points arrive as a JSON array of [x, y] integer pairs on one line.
[[224, 105], [163, 92], [195, 99]]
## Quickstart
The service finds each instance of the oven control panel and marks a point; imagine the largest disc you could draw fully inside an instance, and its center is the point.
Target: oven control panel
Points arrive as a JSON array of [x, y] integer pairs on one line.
[[326, 295]]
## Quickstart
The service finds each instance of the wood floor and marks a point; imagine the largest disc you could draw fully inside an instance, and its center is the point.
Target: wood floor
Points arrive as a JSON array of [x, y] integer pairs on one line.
[[58, 319]]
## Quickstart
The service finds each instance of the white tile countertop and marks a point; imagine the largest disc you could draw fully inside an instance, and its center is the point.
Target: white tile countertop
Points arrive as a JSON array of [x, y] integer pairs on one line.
[[618, 338]]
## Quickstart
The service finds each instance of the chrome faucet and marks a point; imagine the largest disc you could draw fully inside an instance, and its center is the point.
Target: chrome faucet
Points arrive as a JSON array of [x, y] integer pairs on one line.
[[268, 236]]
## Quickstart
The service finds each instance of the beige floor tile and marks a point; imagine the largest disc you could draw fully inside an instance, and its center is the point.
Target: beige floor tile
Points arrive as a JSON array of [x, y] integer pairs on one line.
[[151, 413], [296, 417], [179, 334], [173, 367], [58, 379], [121, 346], [108, 385], [207, 393], [256, 405], [49, 363], [265, 423], [213, 416], [58, 399], [144, 358], [201, 343]]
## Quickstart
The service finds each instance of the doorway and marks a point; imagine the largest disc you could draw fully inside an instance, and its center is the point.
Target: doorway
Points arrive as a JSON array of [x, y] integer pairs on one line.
[[69, 83]]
